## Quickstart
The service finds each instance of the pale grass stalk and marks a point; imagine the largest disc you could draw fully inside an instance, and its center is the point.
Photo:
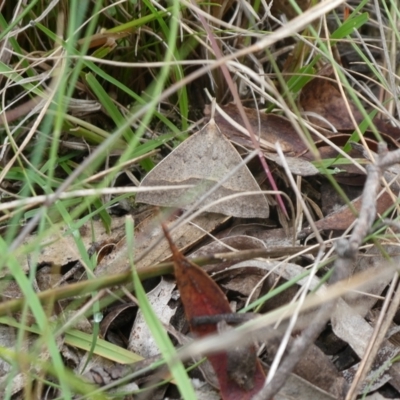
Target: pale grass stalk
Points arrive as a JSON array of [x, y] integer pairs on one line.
[[306, 287], [390, 60], [386, 315], [51, 198], [43, 15]]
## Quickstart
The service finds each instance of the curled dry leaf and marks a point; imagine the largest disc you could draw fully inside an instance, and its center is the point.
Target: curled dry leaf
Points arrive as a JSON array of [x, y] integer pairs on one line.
[[118, 315], [203, 161], [201, 296]]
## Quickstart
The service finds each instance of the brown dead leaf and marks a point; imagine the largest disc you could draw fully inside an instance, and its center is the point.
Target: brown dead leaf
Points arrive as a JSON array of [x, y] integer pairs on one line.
[[148, 233], [204, 160], [60, 246], [322, 96], [201, 296], [341, 219], [268, 128]]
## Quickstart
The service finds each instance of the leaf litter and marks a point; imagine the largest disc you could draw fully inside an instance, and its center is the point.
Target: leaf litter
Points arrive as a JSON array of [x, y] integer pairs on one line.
[[247, 273], [230, 191], [238, 276]]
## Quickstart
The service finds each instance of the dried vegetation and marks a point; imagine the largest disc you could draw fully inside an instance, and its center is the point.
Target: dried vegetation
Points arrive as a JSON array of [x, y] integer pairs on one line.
[[181, 180]]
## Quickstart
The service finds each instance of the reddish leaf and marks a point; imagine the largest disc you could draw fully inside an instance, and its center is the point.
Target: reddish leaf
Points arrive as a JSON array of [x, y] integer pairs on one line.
[[201, 296]]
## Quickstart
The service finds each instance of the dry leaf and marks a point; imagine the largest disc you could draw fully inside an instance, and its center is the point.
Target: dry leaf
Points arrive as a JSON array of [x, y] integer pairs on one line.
[[117, 316], [297, 388], [342, 218], [322, 96], [201, 296], [297, 166], [149, 232], [60, 246], [351, 327], [141, 340], [315, 367], [268, 128], [204, 160]]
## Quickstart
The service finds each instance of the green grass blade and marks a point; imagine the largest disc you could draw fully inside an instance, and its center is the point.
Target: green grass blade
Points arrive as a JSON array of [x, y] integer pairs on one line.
[[109, 105], [157, 330]]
